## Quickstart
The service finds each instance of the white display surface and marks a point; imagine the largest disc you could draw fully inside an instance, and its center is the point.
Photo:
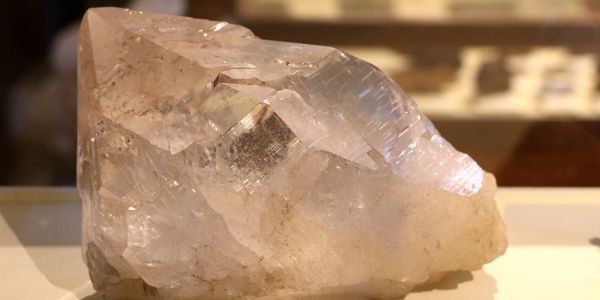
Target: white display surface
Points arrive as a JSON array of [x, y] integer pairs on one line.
[[554, 250]]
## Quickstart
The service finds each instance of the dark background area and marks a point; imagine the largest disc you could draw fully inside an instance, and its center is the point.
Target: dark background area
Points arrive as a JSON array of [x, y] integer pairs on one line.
[[27, 29], [37, 112]]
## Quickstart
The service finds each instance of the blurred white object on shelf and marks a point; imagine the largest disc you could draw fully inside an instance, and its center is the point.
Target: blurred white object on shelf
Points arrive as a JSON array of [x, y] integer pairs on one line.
[[430, 10]]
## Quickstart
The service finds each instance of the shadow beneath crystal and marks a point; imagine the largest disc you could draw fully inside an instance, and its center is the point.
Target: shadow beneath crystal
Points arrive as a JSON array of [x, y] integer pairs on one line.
[[458, 285], [50, 234], [100, 296], [44, 224], [96, 296], [595, 241], [449, 282]]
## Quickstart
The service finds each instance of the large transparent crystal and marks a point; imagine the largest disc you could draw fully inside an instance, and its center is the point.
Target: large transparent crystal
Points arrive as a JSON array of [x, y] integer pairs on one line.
[[217, 165]]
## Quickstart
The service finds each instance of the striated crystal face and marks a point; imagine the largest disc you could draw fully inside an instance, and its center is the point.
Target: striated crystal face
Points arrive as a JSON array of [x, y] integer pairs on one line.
[[217, 165]]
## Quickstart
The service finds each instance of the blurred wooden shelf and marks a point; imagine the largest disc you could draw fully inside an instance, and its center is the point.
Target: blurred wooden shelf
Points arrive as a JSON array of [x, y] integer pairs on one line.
[[580, 33]]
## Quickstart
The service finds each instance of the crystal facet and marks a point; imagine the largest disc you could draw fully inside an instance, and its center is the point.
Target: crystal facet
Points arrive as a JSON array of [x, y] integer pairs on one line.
[[217, 165]]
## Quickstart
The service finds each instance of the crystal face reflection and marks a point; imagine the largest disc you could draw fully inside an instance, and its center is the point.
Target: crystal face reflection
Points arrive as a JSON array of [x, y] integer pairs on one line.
[[216, 164]]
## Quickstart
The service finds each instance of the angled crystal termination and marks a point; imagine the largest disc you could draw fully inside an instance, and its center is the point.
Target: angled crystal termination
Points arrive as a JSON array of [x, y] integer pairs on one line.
[[214, 164]]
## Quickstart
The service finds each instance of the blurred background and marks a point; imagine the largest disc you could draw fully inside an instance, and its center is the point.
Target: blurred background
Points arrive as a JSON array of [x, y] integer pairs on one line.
[[513, 83]]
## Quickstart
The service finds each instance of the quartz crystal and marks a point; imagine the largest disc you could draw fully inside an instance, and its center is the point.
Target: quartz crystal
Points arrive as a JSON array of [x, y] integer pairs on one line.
[[216, 165]]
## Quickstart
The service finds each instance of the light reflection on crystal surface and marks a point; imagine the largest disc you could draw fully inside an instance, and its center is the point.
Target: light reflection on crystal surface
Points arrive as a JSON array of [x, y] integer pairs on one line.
[[215, 164]]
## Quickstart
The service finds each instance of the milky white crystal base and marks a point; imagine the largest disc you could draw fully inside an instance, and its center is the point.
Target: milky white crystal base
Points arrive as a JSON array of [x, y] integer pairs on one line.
[[216, 165]]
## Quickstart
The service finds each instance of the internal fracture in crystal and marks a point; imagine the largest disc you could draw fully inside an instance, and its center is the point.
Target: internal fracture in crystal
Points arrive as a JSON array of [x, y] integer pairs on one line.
[[217, 165]]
